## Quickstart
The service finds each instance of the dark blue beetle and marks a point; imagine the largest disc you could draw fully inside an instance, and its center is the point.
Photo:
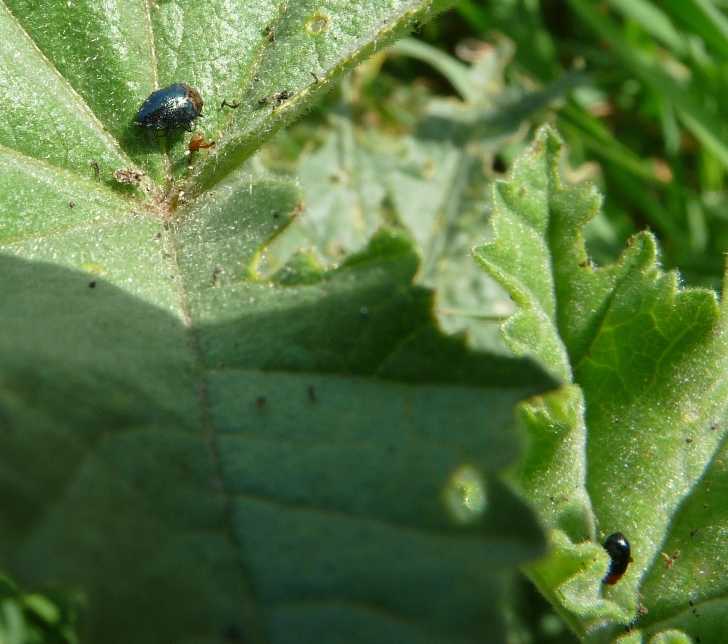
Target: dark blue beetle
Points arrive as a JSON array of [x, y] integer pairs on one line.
[[170, 107]]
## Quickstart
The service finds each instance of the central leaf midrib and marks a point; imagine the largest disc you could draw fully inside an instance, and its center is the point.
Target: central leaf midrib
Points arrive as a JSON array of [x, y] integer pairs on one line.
[[209, 433]]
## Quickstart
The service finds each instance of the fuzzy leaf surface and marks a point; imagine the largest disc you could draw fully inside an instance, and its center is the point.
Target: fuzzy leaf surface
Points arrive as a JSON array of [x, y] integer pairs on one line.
[[206, 455], [637, 443]]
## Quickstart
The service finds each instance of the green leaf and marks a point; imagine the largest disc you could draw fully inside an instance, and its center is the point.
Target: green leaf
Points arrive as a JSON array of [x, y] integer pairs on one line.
[[432, 180], [206, 454], [296, 47], [636, 444]]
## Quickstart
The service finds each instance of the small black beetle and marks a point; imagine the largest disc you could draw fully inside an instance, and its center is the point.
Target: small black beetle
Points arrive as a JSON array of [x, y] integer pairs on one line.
[[621, 555], [174, 106]]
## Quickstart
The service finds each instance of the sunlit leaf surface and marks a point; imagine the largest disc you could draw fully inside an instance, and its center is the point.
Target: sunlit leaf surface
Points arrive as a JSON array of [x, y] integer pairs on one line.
[[206, 455]]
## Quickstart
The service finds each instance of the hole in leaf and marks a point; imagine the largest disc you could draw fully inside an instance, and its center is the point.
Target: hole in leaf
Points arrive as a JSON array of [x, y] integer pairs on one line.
[[465, 495], [318, 24]]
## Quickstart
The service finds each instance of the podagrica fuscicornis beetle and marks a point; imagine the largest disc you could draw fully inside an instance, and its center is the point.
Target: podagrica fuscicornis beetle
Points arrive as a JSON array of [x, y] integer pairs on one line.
[[176, 105], [620, 554]]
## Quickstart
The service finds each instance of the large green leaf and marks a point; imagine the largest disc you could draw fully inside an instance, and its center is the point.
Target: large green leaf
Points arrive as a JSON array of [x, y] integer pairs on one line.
[[636, 443], [207, 455]]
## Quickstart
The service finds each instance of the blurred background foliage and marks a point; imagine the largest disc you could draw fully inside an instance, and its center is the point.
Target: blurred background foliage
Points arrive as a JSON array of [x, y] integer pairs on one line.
[[653, 113], [635, 87]]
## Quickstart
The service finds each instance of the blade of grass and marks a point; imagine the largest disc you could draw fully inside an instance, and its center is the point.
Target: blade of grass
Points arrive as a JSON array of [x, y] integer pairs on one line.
[[653, 20], [600, 140], [455, 72], [474, 14], [708, 130], [704, 19]]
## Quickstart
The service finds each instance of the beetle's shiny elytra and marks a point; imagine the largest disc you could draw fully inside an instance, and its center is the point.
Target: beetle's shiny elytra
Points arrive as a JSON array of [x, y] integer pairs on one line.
[[620, 554], [170, 107]]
